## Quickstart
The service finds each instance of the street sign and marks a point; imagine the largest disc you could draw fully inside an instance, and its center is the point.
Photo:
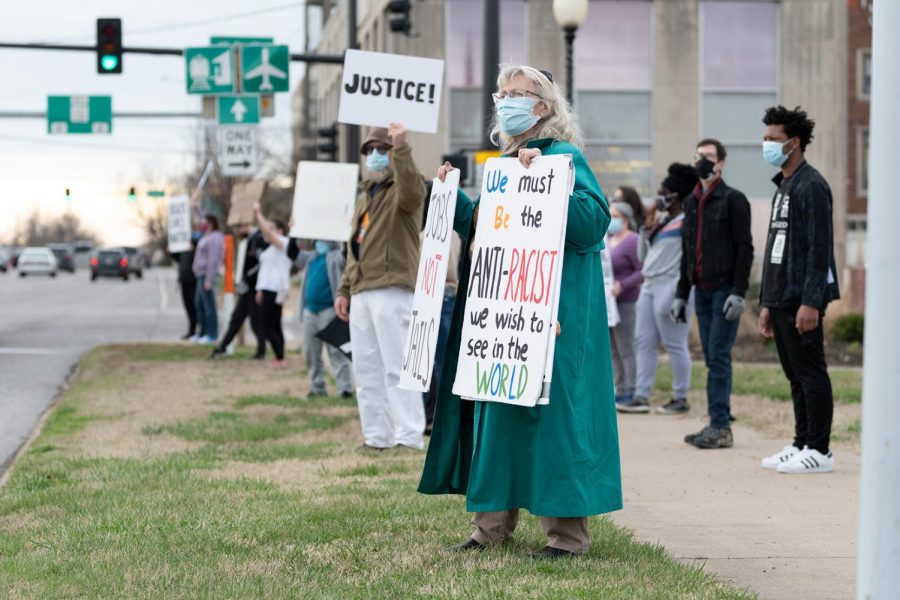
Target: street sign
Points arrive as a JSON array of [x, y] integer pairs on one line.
[[209, 70], [79, 114], [265, 68], [231, 40], [238, 110], [238, 152], [156, 193]]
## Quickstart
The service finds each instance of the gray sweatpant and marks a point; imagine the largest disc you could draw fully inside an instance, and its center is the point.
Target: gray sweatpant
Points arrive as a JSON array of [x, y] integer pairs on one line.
[[313, 323], [621, 341], [653, 326]]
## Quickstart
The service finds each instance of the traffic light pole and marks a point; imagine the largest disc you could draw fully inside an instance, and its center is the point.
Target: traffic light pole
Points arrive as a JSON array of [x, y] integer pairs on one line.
[[352, 44]]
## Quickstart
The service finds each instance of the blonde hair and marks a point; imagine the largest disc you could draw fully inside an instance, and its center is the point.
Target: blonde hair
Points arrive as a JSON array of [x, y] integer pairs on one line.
[[559, 124]]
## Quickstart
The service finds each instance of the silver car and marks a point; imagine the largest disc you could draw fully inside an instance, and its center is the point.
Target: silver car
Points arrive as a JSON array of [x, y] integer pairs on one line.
[[37, 261]]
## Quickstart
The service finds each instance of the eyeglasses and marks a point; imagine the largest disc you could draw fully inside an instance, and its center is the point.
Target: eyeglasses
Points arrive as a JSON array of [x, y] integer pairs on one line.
[[709, 157], [498, 96]]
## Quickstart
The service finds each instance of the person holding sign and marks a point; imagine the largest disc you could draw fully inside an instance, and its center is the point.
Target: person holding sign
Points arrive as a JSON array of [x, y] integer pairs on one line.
[[558, 460], [376, 291]]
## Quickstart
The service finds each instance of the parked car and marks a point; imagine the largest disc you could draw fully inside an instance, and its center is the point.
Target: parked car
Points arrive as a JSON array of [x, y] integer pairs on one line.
[[37, 261], [64, 256], [109, 262], [4, 259], [137, 261]]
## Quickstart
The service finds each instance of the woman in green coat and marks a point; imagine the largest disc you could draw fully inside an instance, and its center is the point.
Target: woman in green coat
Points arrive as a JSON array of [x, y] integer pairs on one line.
[[559, 461]]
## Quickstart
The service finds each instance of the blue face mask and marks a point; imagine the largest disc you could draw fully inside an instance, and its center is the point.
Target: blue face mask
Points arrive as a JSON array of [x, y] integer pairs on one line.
[[615, 226], [516, 115], [773, 153], [322, 247], [378, 161]]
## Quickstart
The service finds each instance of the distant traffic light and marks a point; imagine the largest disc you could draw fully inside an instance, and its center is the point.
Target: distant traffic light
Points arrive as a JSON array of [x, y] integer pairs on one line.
[[109, 46], [68, 194], [400, 21], [132, 194], [329, 147]]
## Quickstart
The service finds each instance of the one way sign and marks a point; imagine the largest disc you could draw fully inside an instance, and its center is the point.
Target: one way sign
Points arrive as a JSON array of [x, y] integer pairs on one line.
[[238, 151], [238, 110]]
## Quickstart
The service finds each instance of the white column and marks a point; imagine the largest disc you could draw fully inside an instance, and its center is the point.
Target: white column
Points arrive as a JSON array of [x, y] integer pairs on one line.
[[879, 529]]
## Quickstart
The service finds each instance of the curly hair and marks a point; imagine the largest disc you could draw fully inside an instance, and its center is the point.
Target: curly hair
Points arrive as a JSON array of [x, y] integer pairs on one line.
[[560, 124], [795, 122]]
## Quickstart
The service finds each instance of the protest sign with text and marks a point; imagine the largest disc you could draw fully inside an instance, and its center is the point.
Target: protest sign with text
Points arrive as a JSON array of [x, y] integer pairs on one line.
[[509, 330], [324, 197], [421, 338], [378, 89], [179, 224]]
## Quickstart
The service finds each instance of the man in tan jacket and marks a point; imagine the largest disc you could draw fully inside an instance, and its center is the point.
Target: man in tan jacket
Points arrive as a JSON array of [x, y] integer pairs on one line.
[[376, 292]]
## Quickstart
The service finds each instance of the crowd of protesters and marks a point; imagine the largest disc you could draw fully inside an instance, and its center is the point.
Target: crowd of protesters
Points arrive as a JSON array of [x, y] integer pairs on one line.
[[686, 253]]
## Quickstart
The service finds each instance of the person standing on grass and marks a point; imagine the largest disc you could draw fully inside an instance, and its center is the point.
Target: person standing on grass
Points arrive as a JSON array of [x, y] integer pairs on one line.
[[799, 280], [659, 249], [717, 253], [188, 283], [324, 268], [376, 291], [626, 266], [559, 461], [274, 281], [208, 259]]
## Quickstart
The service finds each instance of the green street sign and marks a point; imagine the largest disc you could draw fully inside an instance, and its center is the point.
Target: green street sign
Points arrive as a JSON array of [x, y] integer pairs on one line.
[[210, 70], [238, 110], [156, 193], [79, 114], [231, 40], [265, 68]]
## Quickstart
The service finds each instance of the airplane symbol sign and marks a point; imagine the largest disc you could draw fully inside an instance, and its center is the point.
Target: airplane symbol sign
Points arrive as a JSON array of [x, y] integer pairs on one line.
[[265, 68]]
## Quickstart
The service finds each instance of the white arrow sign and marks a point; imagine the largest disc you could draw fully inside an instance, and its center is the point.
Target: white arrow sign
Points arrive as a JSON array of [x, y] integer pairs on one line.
[[238, 110]]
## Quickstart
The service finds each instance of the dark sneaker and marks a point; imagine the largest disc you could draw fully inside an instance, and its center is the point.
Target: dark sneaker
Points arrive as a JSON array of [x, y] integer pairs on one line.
[[713, 437], [466, 546], [550, 553], [217, 352], [348, 396], [675, 406], [635, 405], [689, 438]]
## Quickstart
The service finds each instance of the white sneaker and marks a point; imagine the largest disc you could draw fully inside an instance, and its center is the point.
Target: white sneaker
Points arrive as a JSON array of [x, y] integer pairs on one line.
[[193, 339], [808, 461], [782, 456], [206, 341]]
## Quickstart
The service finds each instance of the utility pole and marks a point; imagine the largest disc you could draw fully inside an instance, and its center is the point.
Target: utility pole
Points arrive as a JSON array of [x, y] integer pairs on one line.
[[489, 67], [352, 130], [879, 506]]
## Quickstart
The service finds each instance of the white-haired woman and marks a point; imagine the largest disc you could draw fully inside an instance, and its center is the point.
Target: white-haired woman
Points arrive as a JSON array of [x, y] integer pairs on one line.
[[559, 461]]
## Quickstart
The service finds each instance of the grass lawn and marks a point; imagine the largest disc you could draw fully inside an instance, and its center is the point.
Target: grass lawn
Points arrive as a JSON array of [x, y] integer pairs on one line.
[[162, 474]]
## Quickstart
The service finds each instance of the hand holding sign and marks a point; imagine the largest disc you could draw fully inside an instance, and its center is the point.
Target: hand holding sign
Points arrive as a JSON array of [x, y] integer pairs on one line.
[[397, 133]]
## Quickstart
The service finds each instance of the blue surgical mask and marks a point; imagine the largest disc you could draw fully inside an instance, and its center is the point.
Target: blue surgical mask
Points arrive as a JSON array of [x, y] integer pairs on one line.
[[378, 160], [773, 153], [516, 115], [322, 247], [615, 226]]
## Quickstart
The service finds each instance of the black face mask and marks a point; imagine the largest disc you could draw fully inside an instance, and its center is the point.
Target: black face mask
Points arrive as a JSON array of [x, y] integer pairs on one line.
[[663, 203], [705, 168]]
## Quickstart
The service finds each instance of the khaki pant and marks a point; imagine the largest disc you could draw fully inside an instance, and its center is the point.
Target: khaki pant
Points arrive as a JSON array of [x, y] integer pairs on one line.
[[565, 533]]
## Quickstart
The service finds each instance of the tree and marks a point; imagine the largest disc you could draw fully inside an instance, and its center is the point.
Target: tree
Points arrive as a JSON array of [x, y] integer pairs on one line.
[[39, 229]]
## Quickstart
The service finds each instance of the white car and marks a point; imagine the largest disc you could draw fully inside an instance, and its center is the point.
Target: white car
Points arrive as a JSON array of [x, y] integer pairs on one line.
[[37, 261]]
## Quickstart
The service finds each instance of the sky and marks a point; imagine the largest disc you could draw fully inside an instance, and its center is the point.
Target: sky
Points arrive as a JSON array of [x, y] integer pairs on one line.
[[36, 167]]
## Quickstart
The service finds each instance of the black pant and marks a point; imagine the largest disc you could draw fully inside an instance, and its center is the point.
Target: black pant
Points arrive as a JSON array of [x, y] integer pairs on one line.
[[803, 360], [246, 306], [271, 323], [188, 290]]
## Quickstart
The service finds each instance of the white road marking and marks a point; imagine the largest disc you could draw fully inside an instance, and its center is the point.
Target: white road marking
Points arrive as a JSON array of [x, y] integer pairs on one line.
[[31, 351], [163, 295]]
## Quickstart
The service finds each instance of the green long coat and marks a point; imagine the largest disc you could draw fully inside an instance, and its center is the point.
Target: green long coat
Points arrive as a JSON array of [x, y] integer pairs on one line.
[[559, 460]]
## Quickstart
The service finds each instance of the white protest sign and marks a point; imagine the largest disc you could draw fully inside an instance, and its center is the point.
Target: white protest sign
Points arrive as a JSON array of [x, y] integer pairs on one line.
[[377, 89], [324, 197], [509, 330], [179, 224], [612, 307], [425, 321]]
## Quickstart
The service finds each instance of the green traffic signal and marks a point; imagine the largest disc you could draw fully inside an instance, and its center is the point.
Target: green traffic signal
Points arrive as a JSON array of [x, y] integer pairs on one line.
[[132, 195], [109, 62]]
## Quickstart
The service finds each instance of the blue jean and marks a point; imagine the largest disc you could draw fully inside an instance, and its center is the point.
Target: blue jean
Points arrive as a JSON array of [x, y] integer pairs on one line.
[[205, 303], [717, 337], [443, 335]]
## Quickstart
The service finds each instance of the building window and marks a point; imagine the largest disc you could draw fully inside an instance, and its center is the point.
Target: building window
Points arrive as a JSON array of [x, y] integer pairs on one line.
[[613, 78], [863, 73], [739, 80], [862, 161]]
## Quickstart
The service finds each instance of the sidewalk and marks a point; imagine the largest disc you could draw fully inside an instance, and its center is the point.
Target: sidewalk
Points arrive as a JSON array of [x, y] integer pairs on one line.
[[783, 536]]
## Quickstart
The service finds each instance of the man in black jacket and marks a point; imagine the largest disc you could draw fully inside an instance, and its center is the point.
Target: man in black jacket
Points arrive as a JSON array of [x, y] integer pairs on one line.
[[715, 261], [799, 280]]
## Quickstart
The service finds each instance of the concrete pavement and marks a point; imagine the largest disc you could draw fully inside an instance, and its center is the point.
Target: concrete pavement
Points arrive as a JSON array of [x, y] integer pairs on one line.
[[46, 325], [783, 536]]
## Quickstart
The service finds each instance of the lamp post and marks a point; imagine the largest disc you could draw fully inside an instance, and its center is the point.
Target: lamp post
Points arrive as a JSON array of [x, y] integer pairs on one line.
[[570, 14]]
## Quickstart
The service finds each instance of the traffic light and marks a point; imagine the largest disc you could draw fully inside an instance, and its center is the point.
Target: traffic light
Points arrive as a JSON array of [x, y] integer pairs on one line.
[[109, 46], [330, 146], [68, 195], [400, 22], [132, 194]]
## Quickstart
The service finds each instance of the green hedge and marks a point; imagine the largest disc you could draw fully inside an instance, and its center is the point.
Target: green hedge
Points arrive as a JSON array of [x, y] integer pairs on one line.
[[848, 328]]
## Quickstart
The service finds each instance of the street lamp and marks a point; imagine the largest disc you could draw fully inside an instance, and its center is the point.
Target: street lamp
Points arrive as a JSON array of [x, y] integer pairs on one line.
[[570, 14]]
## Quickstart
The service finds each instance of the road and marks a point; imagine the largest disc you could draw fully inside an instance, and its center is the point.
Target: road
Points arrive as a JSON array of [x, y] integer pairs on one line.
[[46, 325]]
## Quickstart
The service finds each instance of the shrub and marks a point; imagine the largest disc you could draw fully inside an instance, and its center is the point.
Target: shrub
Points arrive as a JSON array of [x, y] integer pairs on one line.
[[848, 328]]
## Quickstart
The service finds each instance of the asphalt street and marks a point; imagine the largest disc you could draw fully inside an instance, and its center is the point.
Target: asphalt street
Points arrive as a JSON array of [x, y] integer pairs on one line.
[[46, 325]]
